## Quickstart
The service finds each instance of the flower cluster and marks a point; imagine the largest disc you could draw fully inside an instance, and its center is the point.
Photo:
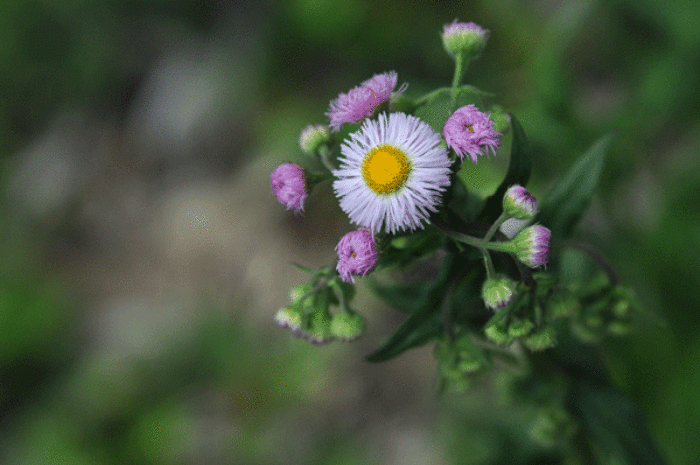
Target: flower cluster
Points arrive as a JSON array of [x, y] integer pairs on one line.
[[487, 293], [470, 273]]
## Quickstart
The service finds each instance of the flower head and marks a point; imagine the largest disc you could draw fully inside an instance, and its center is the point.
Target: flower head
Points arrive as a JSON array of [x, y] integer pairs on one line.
[[312, 136], [357, 254], [392, 174], [532, 245], [466, 38], [497, 292], [518, 203], [347, 326], [289, 186], [318, 328], [291, 317], [362, 101], [470, 132]]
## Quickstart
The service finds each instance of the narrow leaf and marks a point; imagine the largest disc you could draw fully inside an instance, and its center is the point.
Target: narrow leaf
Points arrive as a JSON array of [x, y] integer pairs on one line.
[[566, 202], [428, 328], [423, 323], [615, 427]]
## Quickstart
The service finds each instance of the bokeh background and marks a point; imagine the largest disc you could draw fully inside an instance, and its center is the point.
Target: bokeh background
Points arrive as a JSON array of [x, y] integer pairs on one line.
[[142, 254]]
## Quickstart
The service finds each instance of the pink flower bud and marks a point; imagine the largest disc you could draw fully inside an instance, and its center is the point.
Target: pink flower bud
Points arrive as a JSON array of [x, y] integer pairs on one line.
[[289, 186], [357, 254]]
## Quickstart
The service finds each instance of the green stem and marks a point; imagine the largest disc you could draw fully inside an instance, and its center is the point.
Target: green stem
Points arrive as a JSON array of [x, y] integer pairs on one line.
[[476, 242], [456, 79], [494, 227], [430, 95], [324, 152], [490, 271]]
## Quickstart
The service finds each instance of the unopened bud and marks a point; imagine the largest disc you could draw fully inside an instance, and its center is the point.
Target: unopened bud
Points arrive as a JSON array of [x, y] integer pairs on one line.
[[468, 39], [347, 326], [498, 291], [498, 334], [518, 203], [520, 328], [312, 137], [540, 340], [318, 330]]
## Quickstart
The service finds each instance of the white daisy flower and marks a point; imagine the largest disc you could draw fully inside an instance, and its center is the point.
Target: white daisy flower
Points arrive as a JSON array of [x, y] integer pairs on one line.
[[392, 173]]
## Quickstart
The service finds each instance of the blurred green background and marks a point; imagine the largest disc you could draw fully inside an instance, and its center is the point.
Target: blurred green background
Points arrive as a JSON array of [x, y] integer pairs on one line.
[[143, 254]]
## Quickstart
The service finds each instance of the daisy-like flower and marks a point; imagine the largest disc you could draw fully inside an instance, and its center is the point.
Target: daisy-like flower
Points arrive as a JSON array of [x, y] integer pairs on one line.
[[289, 186], [470, 132], [518, 203], [361, 101], [357, 254], [392, 174], [464, 37], [531, 245]]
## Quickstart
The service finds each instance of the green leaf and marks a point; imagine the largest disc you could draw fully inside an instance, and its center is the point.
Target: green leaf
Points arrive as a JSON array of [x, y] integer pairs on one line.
[[436, 111], [404, 339], [414, 247], [320, 271], [402, 296], [519, 168], [460, 206], [423, 323], [614, 426], [566, 202]]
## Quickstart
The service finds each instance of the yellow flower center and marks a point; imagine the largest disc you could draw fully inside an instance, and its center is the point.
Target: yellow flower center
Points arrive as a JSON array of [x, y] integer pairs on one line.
[[385, 169], [470, 127]]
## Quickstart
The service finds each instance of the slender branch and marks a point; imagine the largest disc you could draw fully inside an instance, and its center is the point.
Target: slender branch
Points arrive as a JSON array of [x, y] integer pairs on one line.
[[597, 257], [494, 227]]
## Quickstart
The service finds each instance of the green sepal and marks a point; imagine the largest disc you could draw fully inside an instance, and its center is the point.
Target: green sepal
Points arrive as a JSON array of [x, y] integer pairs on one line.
[[566, 202], [519, 169]]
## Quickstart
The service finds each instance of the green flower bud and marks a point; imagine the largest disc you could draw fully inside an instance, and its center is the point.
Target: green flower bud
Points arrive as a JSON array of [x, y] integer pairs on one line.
[[318, 330], [552, 425], [621, 309], [518, 203], [298, 292], [498, 334], [594, 321], [584, 333], [312, 137], [469, 365], [347, 326], [520, 328], [468, 39], [290, 317], [498, 291], [541, 340], [531, 245], [563, 304], [619, 328]]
